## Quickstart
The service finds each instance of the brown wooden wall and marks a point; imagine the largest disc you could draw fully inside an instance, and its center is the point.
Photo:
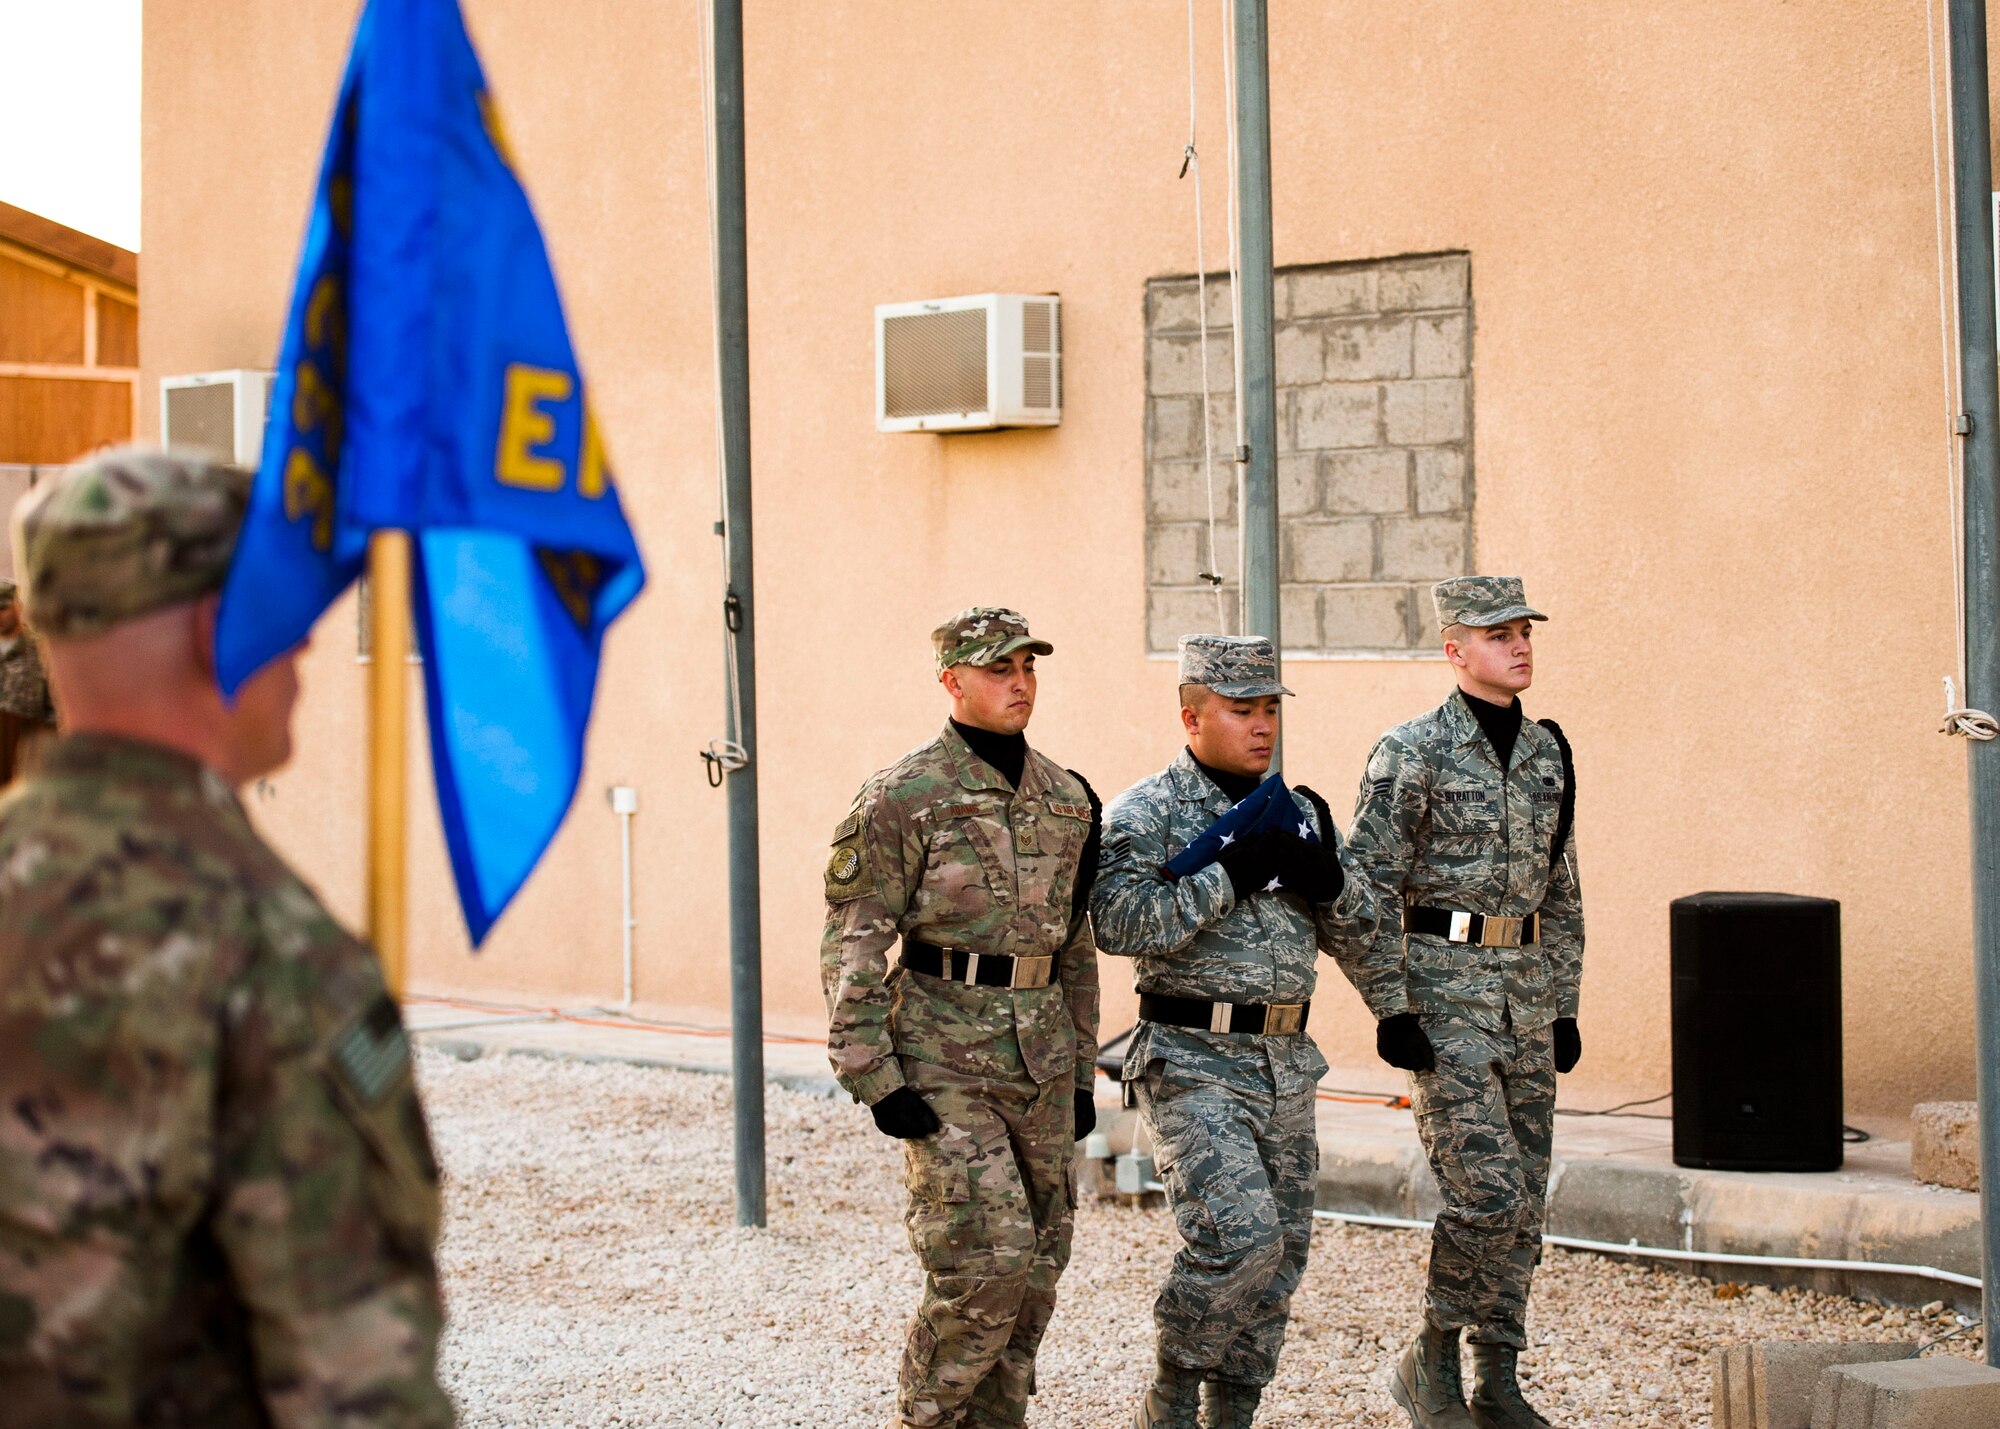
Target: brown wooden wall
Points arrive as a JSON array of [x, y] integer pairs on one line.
[[69, 340]]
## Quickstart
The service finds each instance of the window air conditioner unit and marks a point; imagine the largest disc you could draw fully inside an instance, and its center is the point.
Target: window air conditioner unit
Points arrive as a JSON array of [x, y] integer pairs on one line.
[[220, 413], [969, 364]]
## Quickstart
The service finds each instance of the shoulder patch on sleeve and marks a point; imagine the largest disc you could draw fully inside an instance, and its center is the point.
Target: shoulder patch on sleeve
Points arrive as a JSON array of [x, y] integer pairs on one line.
[[848, 874]]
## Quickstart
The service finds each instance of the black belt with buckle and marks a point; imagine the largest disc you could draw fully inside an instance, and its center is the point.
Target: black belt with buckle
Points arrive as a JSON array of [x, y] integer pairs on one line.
[[978, 969], [1272, 1018], [1478, 929]]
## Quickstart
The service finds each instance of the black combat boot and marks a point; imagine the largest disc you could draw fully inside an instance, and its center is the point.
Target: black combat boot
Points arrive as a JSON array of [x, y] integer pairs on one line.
[[1496, 1393], [1225, 1404], [1174, 1401], [1426, 1381]]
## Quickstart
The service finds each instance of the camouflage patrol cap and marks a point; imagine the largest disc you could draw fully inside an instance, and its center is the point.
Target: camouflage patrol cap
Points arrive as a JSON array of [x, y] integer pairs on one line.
[[1481, 600], [983, 634], [123, 533], [1238, 667]]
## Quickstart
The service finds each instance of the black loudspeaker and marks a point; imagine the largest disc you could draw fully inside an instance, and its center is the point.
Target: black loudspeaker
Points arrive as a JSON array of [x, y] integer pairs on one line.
[[1757, 1069]]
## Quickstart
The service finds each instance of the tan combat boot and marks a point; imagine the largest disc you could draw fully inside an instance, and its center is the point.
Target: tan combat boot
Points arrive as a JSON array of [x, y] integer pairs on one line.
[[1426, 1381], [1225, 1404], [1496, 1394], [1174, 1401]]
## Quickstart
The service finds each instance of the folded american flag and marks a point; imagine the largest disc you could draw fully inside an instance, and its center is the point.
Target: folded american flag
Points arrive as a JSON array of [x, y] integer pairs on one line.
[[1266, 808]]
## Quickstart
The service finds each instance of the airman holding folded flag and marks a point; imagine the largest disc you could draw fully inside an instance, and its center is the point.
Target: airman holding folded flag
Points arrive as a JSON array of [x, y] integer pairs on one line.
[[1221, 1066]]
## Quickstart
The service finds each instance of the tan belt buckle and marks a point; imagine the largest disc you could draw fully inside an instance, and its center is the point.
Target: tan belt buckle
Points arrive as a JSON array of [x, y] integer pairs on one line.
[[1461, 928], [1033, 972], [1503, 932], [1281, 1018]]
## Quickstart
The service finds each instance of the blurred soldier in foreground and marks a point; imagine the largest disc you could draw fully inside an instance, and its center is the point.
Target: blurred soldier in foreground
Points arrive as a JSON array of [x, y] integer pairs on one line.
[[218, 1205], [977, 1048], [1221, 1065], [1464, 822], [27, 719]]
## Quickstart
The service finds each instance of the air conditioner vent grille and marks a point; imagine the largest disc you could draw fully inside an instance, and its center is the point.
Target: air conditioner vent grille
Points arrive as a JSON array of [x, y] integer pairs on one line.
[[934, 363], [1037, 382], [203, 419], [1035, 325]]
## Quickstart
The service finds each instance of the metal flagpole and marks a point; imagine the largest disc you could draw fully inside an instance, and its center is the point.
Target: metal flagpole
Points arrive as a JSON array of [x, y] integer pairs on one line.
[[1257, 358], [388, 751], [1972, 190], [732, 306]]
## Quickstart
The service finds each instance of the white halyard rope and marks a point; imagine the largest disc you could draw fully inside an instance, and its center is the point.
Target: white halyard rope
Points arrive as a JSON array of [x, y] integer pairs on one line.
[[1958, 719], [721, 756]]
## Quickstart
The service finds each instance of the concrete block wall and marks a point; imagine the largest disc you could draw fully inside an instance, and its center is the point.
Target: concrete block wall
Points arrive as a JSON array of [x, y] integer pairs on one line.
[[1770, 1385], [1937, 1392], [1375, 485]]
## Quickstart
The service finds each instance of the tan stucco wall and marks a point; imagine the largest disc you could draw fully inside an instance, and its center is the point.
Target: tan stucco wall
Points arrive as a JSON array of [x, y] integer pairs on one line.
[[1706, 429]]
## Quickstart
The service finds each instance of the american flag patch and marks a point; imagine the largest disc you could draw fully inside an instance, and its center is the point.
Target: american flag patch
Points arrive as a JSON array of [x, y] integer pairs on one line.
[[373, 1053]]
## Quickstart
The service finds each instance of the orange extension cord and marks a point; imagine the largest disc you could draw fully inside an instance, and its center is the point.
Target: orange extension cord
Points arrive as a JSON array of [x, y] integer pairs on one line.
[[625, 1021]]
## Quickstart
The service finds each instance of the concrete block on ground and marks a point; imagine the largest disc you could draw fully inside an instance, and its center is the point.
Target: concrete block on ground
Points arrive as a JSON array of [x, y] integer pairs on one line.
[[1770, 1385], [1944, 1144], [1937, 1392]]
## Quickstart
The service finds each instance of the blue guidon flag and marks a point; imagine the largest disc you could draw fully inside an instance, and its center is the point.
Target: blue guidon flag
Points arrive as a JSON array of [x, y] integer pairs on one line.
[[427, 384], [1267, 808]]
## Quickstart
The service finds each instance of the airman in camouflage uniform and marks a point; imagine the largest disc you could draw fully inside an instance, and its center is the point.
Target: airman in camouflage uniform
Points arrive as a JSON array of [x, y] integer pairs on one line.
[[1230, 1112], [218, 1205], [27, 716], [977, 1047], [1476, 990]]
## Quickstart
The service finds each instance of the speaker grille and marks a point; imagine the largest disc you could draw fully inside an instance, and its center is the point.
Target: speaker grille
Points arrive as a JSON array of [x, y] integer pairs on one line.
[[203, 419], [934, 363]]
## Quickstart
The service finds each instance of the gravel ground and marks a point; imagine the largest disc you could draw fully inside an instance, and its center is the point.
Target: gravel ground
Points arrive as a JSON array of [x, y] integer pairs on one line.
[[596, 1277]]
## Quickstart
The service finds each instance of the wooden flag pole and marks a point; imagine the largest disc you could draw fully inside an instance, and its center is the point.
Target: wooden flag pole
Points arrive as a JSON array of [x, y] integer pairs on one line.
[[388, 751]]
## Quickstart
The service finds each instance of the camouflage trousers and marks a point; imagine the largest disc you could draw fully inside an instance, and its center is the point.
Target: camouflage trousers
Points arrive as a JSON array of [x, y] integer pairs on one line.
[[1487, 1119], [1240, 1169], [992, 1197]]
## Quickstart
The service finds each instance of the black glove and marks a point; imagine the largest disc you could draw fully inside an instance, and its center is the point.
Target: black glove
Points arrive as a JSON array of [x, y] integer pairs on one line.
[[1251, 863], [1310, 870], [1328, 832], [904, 1115], [1086, 868], [1569, 1043], [1400, 1041], [1086, 1112]]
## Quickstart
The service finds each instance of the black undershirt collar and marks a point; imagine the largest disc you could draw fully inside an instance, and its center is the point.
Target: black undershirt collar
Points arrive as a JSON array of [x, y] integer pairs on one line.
[[1007, 753], [1502, 724], [1237, 786]]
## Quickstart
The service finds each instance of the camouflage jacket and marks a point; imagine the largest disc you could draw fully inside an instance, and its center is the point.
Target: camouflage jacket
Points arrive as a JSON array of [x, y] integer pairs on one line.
[[939, 848], [24, 689], [1194, 938], [1438, 823], [218, 1204]]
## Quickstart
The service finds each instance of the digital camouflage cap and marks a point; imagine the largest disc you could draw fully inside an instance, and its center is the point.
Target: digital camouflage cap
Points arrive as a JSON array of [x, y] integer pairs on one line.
[[1481, 600], [1238, 667], [123, 533], [983, 634]]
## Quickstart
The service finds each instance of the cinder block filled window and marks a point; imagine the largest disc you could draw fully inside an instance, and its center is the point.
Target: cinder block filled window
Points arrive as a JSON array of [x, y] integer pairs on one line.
[[1374, 452]]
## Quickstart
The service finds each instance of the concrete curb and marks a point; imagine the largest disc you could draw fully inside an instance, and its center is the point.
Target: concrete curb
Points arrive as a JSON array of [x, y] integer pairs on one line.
[[1649, 1203]]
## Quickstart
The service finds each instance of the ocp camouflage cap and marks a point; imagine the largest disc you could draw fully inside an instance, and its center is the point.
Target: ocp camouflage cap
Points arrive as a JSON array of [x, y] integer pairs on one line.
[[1238, 667], [983, 634], [1480, 601], [123, 533]]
